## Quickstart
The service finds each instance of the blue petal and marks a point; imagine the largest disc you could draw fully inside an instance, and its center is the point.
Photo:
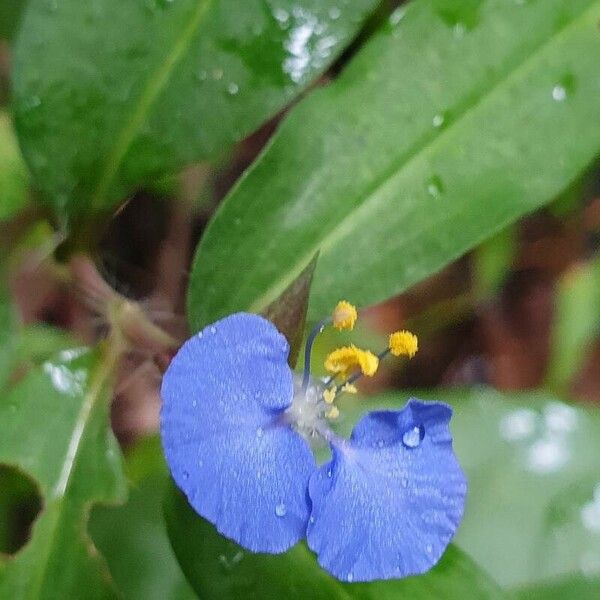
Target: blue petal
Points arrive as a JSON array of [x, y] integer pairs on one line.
[[240, 466], [382, 509]]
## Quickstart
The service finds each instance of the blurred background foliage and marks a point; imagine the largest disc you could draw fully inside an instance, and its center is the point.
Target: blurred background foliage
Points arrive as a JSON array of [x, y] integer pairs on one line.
[[166, 162]]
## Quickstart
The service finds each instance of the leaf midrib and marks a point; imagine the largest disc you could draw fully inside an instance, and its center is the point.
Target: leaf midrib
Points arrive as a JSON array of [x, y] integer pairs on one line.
[[60, 491], [155, 85], [346, 222]]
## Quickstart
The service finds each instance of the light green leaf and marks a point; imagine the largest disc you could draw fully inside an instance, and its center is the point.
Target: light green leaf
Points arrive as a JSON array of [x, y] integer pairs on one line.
[[55, 429], [13, 173], [220, 569], [533, 470], [576, 322], [439, 133], [112, 94]]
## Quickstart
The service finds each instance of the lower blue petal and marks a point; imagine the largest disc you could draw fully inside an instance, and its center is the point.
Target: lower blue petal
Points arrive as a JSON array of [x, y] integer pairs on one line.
[[226, 445], [384, 508]]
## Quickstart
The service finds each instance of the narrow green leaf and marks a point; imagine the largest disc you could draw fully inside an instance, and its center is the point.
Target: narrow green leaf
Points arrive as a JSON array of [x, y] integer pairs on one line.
[[436, 136], [288, 312], [55, 429], [492, 261], [583, 587], [109, 95], [218, 568], [532, 465], [576, 322], [13, 173]]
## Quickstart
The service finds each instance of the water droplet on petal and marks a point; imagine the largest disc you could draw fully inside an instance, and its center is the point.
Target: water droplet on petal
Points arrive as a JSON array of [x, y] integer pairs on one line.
[[413, 436], [194, 403], [213, 330], [311, 520], [350, 578], [329, 473], [260, 432], [380, 444], [186, 475], [429, 548], [281, 510]]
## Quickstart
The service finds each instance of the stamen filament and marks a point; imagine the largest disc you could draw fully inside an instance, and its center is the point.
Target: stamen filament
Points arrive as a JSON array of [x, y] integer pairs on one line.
[[316, 330]]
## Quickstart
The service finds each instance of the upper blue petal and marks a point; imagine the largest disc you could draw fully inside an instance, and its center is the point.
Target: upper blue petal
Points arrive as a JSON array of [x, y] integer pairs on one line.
[[240, 466], [381, 509]]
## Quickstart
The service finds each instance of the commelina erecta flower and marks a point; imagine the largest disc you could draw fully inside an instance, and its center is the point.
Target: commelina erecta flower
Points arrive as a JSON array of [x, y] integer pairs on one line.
[[237, 426]]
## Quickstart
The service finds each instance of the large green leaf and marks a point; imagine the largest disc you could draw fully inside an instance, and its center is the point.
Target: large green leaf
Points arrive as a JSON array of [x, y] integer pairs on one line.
[[445, 128], [109, 94], [132, 537], [55, 429], [13, 174], [218, 568], [533, 470]]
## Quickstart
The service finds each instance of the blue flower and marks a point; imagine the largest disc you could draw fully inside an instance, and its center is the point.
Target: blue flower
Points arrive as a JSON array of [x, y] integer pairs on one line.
[[236, 427]]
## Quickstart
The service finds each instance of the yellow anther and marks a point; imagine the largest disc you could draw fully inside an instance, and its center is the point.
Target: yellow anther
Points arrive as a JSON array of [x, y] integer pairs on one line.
[[343, 360], [329, 395], [349, 388], [403, 343], [333, 413], [344, 315]]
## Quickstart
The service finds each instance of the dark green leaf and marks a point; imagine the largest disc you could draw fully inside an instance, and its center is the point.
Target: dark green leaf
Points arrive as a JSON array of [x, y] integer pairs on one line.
[[10, 15], [13, 174], [218, 568], [111, 94], [55, 429], [439, 133], [533, 465], [288, 312], [133, 537]]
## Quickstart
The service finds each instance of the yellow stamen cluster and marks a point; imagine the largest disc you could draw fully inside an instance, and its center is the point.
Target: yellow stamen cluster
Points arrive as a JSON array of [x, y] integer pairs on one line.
[[344, 316], [403, 343], [333, 413], [329, 395], [343, 360]]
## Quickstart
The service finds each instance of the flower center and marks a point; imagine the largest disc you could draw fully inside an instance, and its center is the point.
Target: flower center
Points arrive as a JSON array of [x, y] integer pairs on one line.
[[308, 409]]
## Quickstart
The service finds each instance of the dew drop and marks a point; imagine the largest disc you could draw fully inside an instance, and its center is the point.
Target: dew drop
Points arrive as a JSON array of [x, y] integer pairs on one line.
[[413, 436], [194, 403], [280, 510], [233, 88], [186, 475], [380, 444], [559, 93], [397, 16], [429, 548], [311, 520], [329, 473], [281, 15], [260, 432], [334, 13], [217, 74], [213, 330], [438, 120], [350, 578], [434, 187]]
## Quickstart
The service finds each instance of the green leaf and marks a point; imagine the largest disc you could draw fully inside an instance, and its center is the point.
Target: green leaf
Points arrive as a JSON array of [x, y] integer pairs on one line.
[[55, 429], [218, 568], [10, 15], [288, 312], [576, 322], [143, 88], [132, 537], [13, 174], [582, 588], [532, 465], [433, 138]]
